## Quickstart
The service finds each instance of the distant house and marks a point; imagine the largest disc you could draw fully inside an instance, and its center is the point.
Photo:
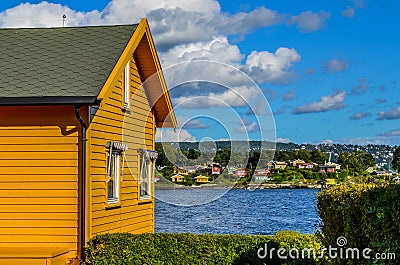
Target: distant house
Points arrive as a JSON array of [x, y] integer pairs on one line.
[[381, 173], [201, 179], [261, 175], [305, 165], [277, 165], [327, 169], [337, 166], [216, 169], [157, 178], [177, 178], [240, 173], [191, 169], [180, 170], [293, 163]]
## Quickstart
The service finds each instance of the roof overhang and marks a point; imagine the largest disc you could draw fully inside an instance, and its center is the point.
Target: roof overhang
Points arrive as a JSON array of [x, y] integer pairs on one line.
[[142, 46], [35, 101]]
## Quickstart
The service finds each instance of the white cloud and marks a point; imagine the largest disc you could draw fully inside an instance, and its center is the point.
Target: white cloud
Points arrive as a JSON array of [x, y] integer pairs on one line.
[[360, 115], [349, 12], [235, 97], [181, 135], [246, 126], [283, 140], [370, 140], [327, 103], [326, 141], [273, 67], [183, 30], [216, 49], [290, 95], [191, 123], [309, 21], [45, 14], [392, 133], [392, 114], [335, 65]]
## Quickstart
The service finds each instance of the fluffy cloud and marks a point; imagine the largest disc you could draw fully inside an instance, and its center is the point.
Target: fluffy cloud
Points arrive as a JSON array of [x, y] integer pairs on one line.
[[45, 14], [180, 135], [281, 110], [392, 133], [309, 21], [349, 12], [191, 123], [336, 65], [184, 30], [173, 22], [360, 115], [327, 103], [273, 67], [326, 141], [283, 140], [392, 114], [236, 97], [246, 126], [290, 95]]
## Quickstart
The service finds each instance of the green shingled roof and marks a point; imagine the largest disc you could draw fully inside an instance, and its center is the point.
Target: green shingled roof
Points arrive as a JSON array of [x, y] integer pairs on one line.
[[58, 65]]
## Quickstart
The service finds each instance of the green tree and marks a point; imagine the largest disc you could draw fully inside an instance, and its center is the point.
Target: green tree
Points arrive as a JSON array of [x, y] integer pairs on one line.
[[303, 155], [396, 159], [318, 157], [283, 156], [193, 154], [366, 159]]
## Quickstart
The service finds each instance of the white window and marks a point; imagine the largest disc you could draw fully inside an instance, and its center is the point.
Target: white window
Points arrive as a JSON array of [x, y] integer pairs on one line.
[[113, 177], [126, 86], [115, 169], [147, 161]]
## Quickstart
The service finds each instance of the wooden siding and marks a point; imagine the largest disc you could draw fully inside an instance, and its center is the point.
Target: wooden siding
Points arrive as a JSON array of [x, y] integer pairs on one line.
[[39, 177], [136, 128]]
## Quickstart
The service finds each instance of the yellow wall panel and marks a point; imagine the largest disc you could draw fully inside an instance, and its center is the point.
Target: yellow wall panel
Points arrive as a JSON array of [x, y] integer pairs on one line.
[[39, 176], [137, 125]]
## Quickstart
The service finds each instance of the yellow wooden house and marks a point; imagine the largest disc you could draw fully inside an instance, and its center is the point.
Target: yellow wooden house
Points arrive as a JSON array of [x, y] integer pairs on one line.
[[201, 179], [79, 109], [177, 178]]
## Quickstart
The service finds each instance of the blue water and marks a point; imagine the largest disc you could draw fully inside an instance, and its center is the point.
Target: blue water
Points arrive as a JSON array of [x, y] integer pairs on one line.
[[238, 211]]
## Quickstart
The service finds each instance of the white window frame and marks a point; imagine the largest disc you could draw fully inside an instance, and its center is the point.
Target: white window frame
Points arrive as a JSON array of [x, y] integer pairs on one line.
[[146, 178], [113, 173], [126, 86]]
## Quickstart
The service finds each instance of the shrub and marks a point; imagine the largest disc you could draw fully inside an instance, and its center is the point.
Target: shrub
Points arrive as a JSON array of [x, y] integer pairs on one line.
[[367, 215], [170, 249]]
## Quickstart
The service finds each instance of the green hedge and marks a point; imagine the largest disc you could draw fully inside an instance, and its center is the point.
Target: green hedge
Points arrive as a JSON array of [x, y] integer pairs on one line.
[[367, 215], [170, 249]]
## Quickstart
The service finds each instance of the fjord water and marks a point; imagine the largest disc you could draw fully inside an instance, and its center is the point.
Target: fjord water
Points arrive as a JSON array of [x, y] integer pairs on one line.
[[239, 211]]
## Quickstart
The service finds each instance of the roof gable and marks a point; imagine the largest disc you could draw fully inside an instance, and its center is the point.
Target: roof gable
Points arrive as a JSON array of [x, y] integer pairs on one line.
[[65, 64]]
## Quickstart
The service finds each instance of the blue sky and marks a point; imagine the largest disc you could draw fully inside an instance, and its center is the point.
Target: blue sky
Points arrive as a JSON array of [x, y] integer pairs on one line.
[[328, 69]]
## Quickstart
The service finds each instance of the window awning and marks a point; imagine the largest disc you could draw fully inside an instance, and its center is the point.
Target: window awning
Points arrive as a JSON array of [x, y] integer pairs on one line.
[[148, 154], [118, 146]]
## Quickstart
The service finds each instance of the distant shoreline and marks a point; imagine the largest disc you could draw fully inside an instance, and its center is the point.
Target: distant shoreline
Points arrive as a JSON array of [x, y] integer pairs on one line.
[[249, 187]]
